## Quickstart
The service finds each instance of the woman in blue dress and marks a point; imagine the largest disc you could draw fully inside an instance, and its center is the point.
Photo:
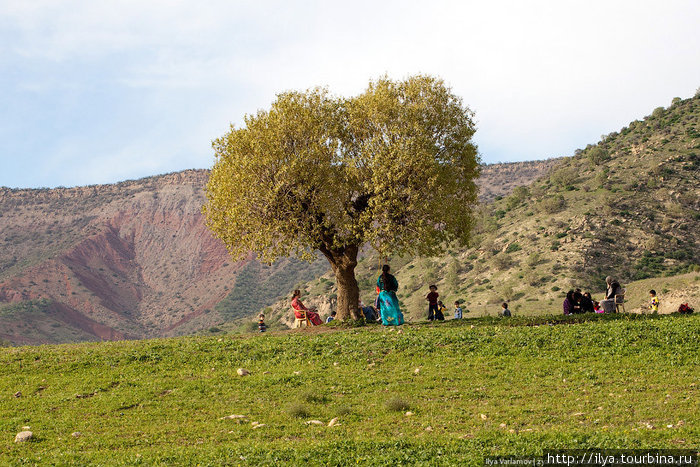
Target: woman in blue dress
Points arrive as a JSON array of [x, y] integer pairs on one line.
[[388, 303]]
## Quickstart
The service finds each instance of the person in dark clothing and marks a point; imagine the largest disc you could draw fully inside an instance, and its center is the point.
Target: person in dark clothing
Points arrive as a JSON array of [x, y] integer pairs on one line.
[[613, 288], [586, 303], [569, 303], [432, 298], [577, 302]]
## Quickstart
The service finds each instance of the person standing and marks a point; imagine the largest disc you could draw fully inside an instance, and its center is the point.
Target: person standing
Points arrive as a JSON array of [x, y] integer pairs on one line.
[[653, 301], [458, 311], [388, 302], [432, 298]]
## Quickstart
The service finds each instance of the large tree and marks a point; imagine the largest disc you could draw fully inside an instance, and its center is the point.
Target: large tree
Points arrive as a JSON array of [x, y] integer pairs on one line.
[[393, 167]]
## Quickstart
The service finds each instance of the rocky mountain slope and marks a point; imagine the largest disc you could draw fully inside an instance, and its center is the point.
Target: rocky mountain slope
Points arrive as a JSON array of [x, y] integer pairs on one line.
[[628, 206], [135, 260]]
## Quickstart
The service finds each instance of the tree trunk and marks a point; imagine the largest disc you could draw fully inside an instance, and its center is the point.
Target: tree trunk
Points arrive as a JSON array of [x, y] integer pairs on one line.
[[343, 264]]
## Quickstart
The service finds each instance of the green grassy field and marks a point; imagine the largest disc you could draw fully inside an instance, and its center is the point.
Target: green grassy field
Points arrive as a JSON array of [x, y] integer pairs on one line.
[[475, 387]]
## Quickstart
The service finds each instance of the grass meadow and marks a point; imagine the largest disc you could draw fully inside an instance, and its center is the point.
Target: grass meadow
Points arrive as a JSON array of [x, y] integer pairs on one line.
[[425, 394]]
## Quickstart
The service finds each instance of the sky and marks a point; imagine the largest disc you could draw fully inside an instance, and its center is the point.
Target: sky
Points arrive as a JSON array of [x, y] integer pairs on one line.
[[102, 91]]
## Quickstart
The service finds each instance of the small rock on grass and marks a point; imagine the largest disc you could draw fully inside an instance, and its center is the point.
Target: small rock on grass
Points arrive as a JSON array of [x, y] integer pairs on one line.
[[409, 413], [333, 422], [76, 434], [315, 422], [416, 371], [483, 416], [242, 372], [429, 428], [23, 436], [240, 418]]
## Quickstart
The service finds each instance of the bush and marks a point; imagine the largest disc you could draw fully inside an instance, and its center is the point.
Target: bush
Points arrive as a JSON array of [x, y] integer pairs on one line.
[[396, 405], [564, 177], [513, 247], [598, 155], [298, 410], [553, 204]]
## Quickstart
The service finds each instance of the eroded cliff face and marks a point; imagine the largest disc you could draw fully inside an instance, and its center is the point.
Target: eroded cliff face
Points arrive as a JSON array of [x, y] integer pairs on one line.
[[135, 259]]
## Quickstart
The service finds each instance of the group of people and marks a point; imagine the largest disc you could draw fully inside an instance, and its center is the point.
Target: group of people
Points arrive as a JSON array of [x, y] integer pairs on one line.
[[387, 310], [386, 306], [578, 302]]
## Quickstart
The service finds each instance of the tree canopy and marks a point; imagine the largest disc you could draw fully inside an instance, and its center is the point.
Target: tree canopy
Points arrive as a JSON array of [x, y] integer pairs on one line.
[[393, 167]]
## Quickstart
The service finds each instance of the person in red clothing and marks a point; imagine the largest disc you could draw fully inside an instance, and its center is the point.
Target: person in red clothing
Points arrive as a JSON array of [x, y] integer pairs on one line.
[[310, 312], [433, 309]]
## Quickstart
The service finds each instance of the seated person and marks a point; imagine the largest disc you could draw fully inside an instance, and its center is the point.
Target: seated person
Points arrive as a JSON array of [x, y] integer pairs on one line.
[[368, 312], [586, 303], [569, 303], [310, 312], [577, 302], [331, 317], [608, 305]]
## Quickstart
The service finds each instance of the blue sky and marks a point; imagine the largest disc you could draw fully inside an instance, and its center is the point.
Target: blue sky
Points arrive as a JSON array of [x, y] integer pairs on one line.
[[104, 91]]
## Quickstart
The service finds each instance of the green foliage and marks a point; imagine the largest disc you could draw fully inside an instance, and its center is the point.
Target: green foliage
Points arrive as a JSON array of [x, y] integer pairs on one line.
[[564, 176], [553, 204], [598, 155], [452, 275], [513, 247], [25, 307], [313, 172], [258, 286], [397, 405]]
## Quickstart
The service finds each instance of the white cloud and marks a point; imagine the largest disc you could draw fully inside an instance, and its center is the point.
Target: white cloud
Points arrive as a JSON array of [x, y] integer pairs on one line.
[[544, 77]]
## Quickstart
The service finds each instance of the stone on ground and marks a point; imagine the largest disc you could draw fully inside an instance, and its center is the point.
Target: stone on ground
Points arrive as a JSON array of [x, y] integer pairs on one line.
[[23, 436]]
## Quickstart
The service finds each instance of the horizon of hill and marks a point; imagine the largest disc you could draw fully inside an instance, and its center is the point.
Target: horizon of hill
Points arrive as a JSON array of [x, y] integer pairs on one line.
[[135, 260]]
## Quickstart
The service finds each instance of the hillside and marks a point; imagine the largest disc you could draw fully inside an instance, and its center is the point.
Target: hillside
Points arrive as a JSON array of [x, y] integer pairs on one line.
[[628, 206], [134, 260], [429, 394], [128, 260]]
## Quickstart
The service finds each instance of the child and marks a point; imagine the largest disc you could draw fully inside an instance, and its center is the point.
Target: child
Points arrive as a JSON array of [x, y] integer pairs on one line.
[[261, 323], [331, 317], [506, 312], [432, 298], [596, 307], [442, 309], [458, 311], [654, 302]]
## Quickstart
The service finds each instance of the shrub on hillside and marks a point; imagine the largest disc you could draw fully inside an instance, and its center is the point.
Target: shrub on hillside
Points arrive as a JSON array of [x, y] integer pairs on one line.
[[553, 204], [564, 177], [598, 155], [513, 247]]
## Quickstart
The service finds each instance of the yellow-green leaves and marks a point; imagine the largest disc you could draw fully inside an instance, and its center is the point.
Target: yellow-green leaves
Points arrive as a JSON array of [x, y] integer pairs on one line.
[[393, 166]]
